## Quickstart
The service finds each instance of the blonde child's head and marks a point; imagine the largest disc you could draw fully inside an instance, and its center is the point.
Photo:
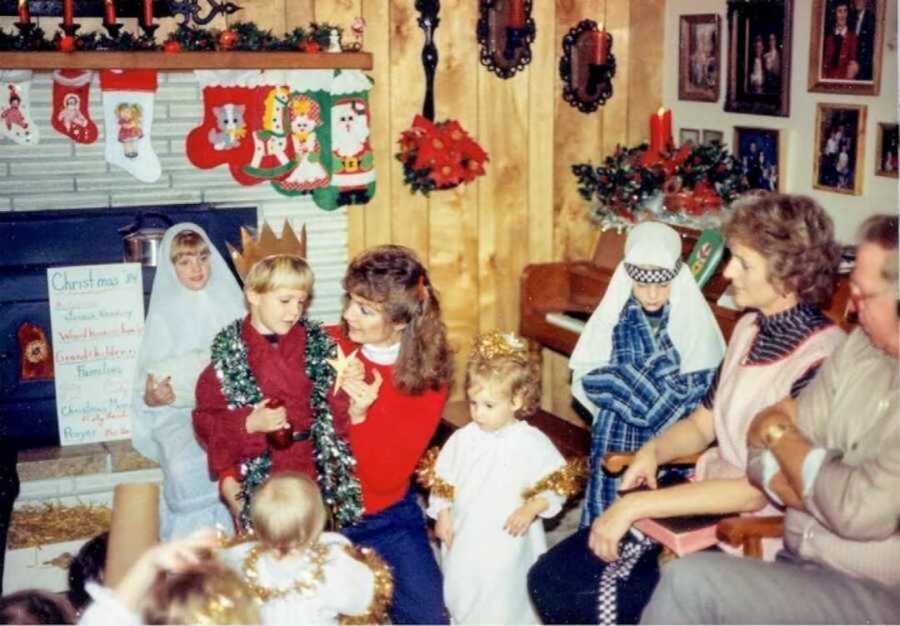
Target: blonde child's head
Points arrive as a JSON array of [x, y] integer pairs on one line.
[[189, 254], [187, 243], [206, 593], [502, 374], [288, 512], [278, 289]]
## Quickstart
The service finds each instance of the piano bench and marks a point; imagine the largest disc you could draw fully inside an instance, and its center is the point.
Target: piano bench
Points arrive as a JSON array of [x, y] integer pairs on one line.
[[572, 441]]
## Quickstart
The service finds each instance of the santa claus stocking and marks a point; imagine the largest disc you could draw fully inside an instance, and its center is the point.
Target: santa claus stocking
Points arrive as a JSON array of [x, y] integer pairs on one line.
[[70, 116], [128, 116], [15, 98], [353, 165]]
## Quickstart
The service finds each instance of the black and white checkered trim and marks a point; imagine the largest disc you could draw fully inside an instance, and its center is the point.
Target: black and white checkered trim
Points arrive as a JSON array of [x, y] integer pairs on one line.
[[652, 276], [617, 572]]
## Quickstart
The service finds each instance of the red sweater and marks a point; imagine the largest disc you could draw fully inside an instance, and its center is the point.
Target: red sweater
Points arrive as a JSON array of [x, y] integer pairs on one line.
[[280, 372], [390, 442]]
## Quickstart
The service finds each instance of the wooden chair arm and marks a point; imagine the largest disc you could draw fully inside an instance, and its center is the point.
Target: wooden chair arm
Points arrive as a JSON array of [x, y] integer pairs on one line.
[[748, 532], [616, 462]]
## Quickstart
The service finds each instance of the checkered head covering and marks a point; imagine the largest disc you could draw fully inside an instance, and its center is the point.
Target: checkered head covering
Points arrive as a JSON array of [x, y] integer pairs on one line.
[[652, 275]]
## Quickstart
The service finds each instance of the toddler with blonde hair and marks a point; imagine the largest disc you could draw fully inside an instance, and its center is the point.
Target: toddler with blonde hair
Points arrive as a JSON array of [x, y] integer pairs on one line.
[[490, 482]]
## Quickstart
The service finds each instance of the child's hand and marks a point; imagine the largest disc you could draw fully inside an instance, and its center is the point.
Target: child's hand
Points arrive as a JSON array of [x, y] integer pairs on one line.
[[158, 394], [362, 396], [443, 527], [518, 522], [265, 419]]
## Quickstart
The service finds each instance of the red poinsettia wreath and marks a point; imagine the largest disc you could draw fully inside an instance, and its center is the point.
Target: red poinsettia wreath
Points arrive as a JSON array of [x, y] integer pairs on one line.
[[439, 155]]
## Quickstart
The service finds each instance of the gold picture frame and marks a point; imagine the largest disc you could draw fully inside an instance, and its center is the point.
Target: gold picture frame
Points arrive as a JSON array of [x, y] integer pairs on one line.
[[886, 150], [848, 63], [699, 57], [839, 148]]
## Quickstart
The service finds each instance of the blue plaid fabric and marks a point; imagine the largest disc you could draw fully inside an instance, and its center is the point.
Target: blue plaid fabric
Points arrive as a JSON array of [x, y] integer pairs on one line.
[[639, 393]]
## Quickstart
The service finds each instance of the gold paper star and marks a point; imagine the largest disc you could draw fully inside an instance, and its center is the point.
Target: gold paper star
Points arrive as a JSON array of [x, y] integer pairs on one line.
[[339, 364]]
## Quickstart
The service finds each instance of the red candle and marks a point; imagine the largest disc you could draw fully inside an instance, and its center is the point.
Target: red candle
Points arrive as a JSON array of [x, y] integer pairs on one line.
[[68, 12], [24, 15], [660, 130], [109, 12], [516, 17], [600, 46], [148, 12]]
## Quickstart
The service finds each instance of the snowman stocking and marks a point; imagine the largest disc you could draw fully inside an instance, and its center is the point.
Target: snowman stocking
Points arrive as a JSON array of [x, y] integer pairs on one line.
[[128, 116], [353, 164], [15, 100], [70, 116]]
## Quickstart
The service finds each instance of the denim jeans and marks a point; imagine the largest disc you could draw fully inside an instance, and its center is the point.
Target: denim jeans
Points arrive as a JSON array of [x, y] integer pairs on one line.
[[399, 535]]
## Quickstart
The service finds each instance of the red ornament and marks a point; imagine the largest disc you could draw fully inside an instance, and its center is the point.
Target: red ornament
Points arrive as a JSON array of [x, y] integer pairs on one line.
[[227, 39], [67, 44], [311, 46], [172, 46]]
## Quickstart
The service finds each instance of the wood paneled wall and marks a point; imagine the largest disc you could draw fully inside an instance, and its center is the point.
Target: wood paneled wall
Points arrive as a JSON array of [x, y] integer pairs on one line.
[[476, 239]]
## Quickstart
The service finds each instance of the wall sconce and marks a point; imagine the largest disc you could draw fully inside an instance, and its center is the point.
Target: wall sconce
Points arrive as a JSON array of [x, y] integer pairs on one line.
[[587, 66], [505, 32]]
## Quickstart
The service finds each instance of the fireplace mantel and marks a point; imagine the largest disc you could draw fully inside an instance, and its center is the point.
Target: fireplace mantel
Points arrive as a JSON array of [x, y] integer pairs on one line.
[[183, 61]]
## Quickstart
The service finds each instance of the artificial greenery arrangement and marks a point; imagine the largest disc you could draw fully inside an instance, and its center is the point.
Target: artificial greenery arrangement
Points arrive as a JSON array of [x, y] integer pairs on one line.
[[694, 180]]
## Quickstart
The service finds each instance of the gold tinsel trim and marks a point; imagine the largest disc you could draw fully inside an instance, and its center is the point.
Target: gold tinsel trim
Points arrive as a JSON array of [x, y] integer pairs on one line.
[[36, 525], [383, 593], [496, 345], [426, 475], [566, 481], [305, 584]]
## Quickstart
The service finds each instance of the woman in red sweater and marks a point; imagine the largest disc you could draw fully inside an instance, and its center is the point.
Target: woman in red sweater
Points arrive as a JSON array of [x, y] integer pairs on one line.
[[397, 383]]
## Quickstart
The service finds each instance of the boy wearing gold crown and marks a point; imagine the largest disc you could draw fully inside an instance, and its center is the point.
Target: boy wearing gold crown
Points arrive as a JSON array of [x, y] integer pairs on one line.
[[267, 403], [490, 482]]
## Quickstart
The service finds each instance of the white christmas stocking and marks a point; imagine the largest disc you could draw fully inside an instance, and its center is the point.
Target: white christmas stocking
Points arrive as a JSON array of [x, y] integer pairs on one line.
[[15, 96], [128, 117]]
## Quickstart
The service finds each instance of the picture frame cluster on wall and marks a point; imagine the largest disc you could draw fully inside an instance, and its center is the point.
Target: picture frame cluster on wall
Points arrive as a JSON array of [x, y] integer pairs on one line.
[[846, 49]]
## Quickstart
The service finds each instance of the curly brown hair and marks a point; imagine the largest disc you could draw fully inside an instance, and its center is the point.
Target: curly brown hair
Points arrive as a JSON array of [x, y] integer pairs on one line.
[[394, 277], [796, 237], [519, 373]]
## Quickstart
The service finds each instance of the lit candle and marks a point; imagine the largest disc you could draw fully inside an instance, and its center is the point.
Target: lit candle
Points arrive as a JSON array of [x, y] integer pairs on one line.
[[68, 12], [24, 15], [660, 130], [600, 47], [148, 12], [109, 12], [516, 18]]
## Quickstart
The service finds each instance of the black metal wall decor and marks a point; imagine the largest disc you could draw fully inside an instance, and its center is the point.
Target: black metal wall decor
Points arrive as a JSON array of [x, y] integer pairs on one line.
[[505, 31], [428, 22], [190, 9], [587, 66]]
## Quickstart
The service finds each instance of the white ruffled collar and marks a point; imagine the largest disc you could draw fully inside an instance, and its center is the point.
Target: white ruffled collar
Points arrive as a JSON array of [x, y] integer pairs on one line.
[[382, 355]]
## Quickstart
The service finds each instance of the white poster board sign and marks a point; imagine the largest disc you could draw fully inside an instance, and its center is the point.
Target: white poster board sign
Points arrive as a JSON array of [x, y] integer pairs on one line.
[[97, 318]]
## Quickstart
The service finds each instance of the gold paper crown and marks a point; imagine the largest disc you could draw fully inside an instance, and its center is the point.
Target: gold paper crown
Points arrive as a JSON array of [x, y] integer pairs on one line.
[[494, 344], [252, 250]]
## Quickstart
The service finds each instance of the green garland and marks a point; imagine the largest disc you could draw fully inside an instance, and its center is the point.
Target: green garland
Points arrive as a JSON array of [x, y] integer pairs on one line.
[[247, 36], [335, 463]]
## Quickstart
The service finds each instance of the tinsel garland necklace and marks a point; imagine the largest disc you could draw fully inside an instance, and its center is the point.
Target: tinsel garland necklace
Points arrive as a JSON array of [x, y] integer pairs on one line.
[[335, 463], [306, 583]]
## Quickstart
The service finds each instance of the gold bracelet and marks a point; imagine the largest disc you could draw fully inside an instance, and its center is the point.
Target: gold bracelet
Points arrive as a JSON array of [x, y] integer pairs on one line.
[[775, 432]]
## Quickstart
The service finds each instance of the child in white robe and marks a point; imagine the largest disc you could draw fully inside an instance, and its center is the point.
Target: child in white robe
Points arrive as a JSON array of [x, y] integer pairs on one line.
[[299, 573], [194, 296], [490, 482]]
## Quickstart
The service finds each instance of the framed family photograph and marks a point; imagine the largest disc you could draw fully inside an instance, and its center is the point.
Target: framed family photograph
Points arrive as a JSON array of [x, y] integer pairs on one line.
[[845, 46], [713, 137], [759, 154], [840, 137], [886, 151], [689, 135], [759, 56], [698, 57]]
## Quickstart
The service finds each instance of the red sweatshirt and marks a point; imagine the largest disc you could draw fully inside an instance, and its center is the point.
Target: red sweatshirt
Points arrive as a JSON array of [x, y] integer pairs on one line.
[[390, 442], [280, 372]]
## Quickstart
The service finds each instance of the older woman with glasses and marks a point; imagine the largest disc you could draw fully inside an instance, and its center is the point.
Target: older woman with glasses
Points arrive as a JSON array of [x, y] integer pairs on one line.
[[783, 266]]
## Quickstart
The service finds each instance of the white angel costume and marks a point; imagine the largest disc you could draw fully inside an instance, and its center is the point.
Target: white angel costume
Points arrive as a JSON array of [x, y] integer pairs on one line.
[[327, 580], [178, 330], [485, 568]]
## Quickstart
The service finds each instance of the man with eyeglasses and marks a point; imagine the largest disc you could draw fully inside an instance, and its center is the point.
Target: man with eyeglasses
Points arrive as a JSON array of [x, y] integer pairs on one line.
[[832, 458]]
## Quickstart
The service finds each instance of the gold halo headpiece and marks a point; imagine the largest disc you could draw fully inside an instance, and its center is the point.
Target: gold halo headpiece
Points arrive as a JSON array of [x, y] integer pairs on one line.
[[495, 344], [252, 250]]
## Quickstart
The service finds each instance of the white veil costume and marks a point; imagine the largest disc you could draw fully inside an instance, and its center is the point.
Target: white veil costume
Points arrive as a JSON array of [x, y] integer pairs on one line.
[[692, 325], [178, 331]]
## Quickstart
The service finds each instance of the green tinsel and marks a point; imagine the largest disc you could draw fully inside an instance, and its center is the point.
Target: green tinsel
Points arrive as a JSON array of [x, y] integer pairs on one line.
[[335, 463], [253, 473]]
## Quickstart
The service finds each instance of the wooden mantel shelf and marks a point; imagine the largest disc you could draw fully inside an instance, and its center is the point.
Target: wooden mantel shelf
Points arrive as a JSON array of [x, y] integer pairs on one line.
[[185, 60]]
